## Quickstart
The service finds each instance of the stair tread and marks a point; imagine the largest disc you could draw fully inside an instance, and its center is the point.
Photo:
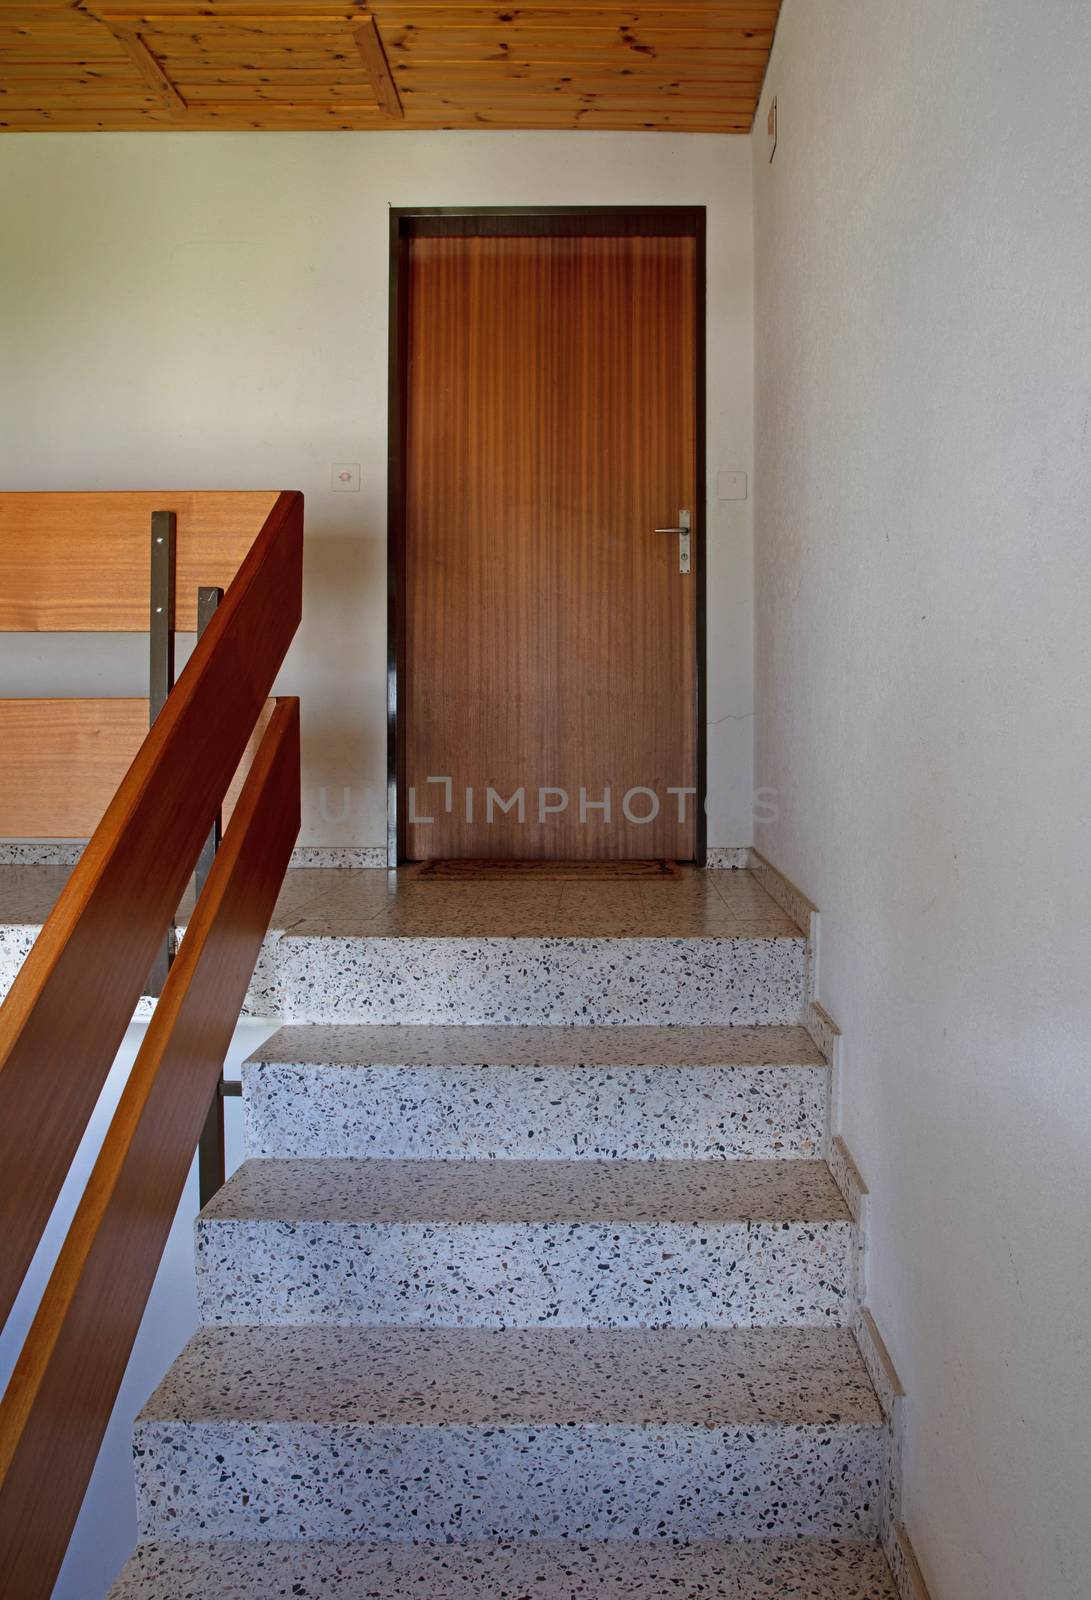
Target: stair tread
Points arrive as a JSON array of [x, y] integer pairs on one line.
[[474, 1377], [229, 1569], [344, 1189], [708, 1045]]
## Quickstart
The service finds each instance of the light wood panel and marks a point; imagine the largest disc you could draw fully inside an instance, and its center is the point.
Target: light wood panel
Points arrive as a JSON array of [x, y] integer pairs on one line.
[[149, 68], [550, 636], [81, 562], [67, 1377], [376, 66], [75, 992], [390, 63], [63, 760]]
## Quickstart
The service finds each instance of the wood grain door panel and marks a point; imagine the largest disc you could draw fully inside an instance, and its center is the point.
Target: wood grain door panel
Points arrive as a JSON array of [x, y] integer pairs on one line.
[[549, 635]]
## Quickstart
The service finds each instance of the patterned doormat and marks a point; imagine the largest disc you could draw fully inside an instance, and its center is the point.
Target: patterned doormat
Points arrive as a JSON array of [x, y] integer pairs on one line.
[[466, 870]]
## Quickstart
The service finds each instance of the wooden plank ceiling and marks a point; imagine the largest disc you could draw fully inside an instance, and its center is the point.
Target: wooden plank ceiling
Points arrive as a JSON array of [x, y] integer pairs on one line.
[[118, 65]]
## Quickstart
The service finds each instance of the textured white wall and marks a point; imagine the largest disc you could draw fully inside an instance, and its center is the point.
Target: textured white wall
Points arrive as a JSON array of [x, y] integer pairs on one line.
[[210, 311], [922, 495]]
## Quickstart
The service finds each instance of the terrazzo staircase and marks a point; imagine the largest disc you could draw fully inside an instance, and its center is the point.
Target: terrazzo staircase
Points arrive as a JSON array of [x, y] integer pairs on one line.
[[500, 1310]]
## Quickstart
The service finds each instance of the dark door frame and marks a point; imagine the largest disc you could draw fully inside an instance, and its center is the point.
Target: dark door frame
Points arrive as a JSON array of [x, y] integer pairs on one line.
[[419, 221]]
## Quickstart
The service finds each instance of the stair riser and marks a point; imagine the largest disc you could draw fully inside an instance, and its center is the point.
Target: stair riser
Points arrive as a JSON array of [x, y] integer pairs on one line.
[[543, 981], [555, 1569], [262, 1480], [518, 1113], [526, 1275]]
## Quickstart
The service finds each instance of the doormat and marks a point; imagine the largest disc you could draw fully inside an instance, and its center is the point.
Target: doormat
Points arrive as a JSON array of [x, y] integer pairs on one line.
[[467, 870]]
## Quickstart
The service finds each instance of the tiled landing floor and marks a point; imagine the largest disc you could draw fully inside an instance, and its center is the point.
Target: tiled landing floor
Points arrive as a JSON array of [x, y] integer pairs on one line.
[[352, 901]]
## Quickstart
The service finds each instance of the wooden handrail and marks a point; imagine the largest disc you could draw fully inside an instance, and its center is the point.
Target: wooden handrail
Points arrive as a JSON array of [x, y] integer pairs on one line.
[[67, 1377], [74, 996]]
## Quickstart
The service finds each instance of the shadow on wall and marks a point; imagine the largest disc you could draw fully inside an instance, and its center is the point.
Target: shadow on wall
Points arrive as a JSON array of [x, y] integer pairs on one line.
[[338, 667]]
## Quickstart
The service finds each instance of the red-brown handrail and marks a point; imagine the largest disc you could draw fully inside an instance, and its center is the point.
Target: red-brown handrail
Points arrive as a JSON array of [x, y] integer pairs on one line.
[[66, 1380], [66, 1013]]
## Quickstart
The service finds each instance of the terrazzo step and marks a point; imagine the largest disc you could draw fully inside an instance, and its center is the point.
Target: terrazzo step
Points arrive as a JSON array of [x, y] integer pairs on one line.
[[394, 1433], [522, 980], [524, 1243], [518, 1093], [298, 1569]]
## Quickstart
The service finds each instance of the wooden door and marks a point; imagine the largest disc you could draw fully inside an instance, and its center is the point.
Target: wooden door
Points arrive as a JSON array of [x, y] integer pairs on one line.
[[549, 635]]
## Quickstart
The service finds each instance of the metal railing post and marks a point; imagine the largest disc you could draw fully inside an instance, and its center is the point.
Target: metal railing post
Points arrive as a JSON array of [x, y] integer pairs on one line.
[[211, 1167], [207, 601], [161, 669]]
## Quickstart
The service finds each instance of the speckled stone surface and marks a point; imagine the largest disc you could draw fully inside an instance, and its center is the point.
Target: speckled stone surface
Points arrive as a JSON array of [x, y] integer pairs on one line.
[[404, 904], [781, 890], [519, 1243], [854, 1192], [345, 1044], [582, 1434], [721, 857], [526, 980], [557, 1093], [633, 1351], [348, 901], [29, 891], [533, 1376], [393, 947], [40, 852], [786, 1569], [804, 1569], [822, 1029], [908, 1578], [15, 943], [891, 1397], [375, 946], [368, 856], [847, 1177]]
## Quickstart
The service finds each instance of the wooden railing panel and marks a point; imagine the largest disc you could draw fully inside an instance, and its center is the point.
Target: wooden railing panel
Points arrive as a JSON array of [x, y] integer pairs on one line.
[[81, 562], [64, 1386], [63, 760], [62, 1009]]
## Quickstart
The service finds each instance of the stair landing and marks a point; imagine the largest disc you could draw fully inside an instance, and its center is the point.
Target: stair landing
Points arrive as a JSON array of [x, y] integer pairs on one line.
[[369, 946]]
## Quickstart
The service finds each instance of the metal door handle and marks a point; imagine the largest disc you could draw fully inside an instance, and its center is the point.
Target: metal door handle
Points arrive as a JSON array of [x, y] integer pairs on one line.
[[682, 530]]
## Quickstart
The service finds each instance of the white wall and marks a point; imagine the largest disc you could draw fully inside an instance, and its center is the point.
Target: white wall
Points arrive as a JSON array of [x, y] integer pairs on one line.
[[210, 311], [923, 485]]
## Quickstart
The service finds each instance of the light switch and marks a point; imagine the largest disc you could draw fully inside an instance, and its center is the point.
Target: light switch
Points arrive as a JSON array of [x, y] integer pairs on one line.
[[345, 476], [731, 486]]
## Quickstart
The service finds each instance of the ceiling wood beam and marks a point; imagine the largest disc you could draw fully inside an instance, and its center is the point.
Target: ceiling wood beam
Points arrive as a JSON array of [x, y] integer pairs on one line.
[[377, 67], [149, 69]]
